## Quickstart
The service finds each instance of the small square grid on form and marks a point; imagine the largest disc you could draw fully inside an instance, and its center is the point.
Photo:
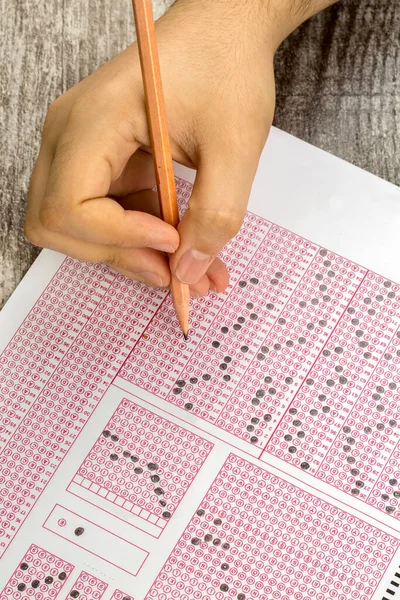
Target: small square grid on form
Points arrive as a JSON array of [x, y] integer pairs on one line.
[[143, 462]]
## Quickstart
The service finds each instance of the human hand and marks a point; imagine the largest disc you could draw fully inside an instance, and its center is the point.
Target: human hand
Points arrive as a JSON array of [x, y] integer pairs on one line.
[[91, 191]]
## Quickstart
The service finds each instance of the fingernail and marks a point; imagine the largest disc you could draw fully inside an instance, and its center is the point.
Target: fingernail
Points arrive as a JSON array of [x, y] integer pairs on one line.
[[192, 266], [194, 295], [152, 278], [164, 248], [213, 287]]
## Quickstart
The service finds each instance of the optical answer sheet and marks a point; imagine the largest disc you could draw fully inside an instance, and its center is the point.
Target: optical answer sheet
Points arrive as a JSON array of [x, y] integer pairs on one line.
[[260, 459]]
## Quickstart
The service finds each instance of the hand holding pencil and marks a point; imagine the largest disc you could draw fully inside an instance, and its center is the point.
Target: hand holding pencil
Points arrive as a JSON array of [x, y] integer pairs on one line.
[[91, 191]]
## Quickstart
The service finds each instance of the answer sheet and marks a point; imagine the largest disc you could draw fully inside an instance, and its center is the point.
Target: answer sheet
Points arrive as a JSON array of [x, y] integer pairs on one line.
[[259, 460]]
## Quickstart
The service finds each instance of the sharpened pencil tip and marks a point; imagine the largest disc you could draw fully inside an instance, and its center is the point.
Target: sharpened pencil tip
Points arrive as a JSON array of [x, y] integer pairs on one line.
[[185, 335]]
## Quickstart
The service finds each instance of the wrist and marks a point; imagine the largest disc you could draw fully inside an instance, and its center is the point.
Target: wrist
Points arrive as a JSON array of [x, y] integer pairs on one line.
[[269, 21], [290, 14]]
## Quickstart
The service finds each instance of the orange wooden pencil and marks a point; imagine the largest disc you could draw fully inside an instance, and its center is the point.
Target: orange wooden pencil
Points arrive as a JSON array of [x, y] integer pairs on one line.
[[161, 148]]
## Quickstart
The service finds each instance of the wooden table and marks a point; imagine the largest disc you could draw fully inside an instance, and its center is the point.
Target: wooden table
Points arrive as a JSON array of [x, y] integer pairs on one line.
[[338, 87]]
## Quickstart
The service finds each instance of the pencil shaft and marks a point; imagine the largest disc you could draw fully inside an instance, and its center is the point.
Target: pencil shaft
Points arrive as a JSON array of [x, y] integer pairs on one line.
[[160, 143], [156, 112]]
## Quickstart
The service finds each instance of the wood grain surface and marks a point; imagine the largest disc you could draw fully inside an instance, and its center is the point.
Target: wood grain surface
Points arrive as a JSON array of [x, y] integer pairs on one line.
[[338, 87]]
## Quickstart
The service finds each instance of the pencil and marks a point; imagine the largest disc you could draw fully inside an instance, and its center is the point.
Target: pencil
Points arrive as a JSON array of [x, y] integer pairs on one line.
[[160, 144]]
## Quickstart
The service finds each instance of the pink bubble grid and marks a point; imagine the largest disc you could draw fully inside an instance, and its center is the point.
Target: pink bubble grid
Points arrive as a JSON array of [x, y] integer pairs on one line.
[[118, 595], [55, 371], [343, 424], [40, 568], [87, 587], [256, 536], [145, 464]]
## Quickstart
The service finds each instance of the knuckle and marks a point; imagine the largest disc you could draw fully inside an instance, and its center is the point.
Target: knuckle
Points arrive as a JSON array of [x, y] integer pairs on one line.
[[33, 234], [225, 223], [50, 218], [52, 115]]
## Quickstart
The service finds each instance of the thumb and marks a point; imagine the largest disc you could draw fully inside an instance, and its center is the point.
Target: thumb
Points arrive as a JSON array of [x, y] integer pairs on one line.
[[214, 215]]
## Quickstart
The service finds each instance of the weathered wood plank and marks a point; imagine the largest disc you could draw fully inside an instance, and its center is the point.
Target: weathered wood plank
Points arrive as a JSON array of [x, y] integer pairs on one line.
[[338, 87]]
